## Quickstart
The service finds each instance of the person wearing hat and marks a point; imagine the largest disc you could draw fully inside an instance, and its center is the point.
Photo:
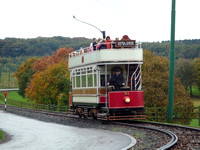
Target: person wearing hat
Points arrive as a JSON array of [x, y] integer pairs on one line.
[[108, 42], [117, 80]]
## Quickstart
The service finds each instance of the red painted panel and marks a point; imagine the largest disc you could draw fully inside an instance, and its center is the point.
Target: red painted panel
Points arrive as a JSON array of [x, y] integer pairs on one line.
[[116, 99], [102, 99]]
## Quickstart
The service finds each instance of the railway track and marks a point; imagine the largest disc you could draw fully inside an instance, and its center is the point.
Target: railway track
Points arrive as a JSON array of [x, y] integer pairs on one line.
[[170, 144], [189, 137], [179, 136]]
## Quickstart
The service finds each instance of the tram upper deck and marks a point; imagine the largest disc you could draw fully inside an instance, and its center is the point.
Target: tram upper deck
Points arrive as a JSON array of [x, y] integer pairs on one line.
[[133, 55]]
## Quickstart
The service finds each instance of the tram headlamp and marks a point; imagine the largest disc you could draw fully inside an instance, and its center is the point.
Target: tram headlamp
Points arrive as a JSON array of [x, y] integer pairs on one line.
[[127, 99]]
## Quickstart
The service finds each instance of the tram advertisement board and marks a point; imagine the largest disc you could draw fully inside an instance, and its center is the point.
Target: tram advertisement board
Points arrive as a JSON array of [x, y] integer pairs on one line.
[[125, 42]]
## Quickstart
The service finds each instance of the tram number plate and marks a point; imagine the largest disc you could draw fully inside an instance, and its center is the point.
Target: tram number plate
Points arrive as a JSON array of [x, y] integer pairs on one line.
[[129, 43]]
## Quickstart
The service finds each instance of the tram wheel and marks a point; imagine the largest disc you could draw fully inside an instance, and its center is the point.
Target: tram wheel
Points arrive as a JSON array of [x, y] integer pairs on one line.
[[94, 116], [80, 115]]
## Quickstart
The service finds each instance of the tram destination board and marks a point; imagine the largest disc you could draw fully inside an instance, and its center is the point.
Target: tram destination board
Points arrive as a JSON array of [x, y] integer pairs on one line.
[[130, 43], [125, 42]]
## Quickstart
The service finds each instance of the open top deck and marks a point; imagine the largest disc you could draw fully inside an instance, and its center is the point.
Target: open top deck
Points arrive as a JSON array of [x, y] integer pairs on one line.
[[107, 56]]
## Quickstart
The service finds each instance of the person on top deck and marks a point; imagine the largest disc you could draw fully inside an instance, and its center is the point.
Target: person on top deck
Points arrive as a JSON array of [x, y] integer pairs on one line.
[[94, 44], [108, 42], [117, 80], [102, 45]]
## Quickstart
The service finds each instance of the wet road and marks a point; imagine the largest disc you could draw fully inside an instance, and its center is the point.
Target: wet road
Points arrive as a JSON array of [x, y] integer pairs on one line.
[[30, 134]]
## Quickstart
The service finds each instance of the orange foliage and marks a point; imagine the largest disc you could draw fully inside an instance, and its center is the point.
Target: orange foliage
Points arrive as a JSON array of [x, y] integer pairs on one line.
[[50, 83], [62, 55], [49, 86]]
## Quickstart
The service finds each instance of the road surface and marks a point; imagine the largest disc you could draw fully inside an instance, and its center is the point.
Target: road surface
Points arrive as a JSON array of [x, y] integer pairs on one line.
[[30, 134]]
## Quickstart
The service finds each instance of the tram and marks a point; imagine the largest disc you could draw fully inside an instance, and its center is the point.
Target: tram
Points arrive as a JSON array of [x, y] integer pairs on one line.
[[90, 72]]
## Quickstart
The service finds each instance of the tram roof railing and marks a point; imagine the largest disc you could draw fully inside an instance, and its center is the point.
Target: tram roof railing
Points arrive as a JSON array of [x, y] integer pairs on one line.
[[84, 50], [106, 56]]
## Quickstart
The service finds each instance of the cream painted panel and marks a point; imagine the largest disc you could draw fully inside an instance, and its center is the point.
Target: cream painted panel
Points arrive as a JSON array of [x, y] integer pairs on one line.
[[85, 99]]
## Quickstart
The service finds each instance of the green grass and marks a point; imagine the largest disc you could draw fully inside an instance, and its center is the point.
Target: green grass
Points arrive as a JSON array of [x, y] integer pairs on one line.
[[195, 123], [195, 91], [15, 97], [1, 135]]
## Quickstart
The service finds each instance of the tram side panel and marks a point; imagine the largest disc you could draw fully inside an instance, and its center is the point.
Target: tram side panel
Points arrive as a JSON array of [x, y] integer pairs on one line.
[[126, 99]]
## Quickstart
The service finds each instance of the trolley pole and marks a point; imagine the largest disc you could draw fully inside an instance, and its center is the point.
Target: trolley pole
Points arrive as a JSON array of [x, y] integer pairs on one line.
[[103, 32], [171, 66]]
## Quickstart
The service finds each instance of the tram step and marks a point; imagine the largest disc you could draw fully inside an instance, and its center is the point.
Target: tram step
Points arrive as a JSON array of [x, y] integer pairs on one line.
[[101, 115]]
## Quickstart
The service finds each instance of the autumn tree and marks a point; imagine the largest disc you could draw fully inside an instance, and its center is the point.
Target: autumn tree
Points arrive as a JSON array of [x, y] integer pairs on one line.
[[155, 83], [61, 55], [50, 83], [50, 86], [24, 74]]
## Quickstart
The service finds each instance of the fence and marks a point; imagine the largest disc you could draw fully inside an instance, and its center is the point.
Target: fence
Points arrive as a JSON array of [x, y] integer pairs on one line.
[[183, 115], [7, 78]]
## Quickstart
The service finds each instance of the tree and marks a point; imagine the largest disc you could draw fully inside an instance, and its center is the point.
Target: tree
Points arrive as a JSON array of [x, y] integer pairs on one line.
[[50, 83], [24, 74], [197, 70], [185, 72], [50, 86], [155, 86], [155, 83]]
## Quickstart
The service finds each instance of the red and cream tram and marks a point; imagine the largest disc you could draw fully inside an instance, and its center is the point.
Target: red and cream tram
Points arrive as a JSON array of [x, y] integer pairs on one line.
[[91, 71]]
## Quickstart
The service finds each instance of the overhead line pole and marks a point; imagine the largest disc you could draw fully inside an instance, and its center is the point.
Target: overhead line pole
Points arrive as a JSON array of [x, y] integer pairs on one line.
[[171, 66], [103, 32]]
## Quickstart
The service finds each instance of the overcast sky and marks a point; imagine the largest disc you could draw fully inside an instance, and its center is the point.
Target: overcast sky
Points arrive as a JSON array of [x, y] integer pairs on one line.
[[143, 20]]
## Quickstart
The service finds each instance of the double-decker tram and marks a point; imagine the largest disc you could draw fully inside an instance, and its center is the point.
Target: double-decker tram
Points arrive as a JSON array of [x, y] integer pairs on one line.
[[92, 94]]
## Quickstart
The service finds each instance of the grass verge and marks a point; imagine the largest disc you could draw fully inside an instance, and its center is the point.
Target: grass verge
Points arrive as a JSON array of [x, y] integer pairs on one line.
[[194, 123], [14, 96], [195, 91], [1, 135]]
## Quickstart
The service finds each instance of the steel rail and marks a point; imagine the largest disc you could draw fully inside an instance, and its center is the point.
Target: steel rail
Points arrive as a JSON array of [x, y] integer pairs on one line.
[[169, 125], [173, 141]]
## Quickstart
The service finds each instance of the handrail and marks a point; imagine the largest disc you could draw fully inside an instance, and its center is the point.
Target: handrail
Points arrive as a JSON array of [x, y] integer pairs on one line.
[[3, 90], [138, 76], [138, 80], [132, 77]]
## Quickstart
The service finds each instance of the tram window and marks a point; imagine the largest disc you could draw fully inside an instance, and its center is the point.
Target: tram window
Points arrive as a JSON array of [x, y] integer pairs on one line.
[[103, 79], [95, 80], [78, 81], [73, 82], [83, 80], [89, 72], [90, 81]]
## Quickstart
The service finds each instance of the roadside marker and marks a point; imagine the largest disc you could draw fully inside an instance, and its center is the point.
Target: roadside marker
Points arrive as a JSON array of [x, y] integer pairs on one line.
[[6, 95]]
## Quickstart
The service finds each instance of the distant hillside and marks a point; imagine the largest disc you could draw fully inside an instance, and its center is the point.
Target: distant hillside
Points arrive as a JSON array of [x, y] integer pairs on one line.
[[188, 49], [41, 46]]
